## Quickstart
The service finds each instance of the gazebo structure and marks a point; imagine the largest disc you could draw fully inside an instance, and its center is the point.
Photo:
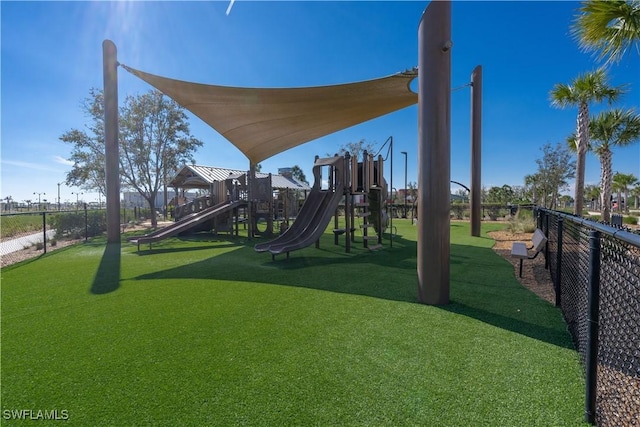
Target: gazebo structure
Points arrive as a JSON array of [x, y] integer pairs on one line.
[[206, 178], [262, 122], [215, 181]]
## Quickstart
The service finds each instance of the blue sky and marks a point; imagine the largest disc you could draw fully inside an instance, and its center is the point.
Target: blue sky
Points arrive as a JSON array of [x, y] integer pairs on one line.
[[51, 56]]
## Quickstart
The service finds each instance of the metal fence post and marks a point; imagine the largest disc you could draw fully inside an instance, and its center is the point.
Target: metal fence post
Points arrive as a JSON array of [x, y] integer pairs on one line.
[[558, 283], [44, 231], [86, 224], [591, 359], [546, 245]]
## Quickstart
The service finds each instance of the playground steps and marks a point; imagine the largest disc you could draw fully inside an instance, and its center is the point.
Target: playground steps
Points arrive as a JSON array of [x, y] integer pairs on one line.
[[374, 247], [363, 214], [367, 225]]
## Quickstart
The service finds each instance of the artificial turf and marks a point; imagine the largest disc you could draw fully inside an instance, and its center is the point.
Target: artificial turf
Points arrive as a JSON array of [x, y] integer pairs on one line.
[[203, 330]]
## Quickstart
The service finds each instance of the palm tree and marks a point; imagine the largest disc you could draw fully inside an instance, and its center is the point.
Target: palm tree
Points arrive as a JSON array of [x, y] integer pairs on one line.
[[583, 90], [635, 192], [608, 28], [617, 189], [624, 182], [609, 129], [592, 192]]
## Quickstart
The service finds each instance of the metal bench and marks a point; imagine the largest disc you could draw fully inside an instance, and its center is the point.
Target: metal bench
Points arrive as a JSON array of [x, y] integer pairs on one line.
[[520, 250]]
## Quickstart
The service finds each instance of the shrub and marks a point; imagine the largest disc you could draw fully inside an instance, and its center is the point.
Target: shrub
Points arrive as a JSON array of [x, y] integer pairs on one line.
[[494, 210], [632, 220], [72, 224], [522, 222], [458, 210]]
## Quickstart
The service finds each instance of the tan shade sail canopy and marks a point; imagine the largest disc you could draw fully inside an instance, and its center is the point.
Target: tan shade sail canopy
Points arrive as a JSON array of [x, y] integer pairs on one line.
[[262, 122]]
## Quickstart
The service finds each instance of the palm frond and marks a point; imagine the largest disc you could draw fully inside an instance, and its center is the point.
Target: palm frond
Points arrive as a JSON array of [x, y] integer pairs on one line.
[[608, 28]]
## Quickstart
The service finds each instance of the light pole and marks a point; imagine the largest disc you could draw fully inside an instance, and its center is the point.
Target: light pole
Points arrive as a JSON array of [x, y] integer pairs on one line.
[[39, 194], [404, 215], [77, 199], [59, 184]]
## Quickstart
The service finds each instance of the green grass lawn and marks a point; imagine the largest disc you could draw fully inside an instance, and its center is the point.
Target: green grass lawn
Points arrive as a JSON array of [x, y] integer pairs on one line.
[[204, 331]]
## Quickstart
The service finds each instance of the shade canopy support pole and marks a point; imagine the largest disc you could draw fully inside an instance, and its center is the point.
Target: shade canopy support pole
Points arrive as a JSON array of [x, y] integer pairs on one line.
[[434, 153], [476, 150], [112, 164]]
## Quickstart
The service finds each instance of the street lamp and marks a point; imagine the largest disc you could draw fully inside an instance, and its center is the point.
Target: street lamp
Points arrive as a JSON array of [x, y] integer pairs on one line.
[[77, 199], [405, 184], [39, 194], [59, 184]]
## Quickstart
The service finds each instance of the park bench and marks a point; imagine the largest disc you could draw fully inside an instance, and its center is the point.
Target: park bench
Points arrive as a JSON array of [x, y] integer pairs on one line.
[[520, 250]]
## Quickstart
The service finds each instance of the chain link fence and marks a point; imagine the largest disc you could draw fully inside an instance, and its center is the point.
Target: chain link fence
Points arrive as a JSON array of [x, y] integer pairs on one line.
[[30, 234], [596, 271]]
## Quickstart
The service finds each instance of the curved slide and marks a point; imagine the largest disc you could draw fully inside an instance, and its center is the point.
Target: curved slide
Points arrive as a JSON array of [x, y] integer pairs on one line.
[[186, 223], [310, 223]]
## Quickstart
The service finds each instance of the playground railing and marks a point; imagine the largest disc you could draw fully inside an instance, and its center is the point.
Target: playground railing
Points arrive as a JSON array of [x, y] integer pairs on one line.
[[196, 205], [595, 269]]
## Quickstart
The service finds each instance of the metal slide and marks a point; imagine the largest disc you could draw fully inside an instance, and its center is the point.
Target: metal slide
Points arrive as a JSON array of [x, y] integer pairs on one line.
[[186, 223], [313, 217]]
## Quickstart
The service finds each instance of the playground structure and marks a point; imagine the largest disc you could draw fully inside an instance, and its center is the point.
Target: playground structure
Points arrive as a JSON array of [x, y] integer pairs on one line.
[[241, 115], [346, 179], [226, 204], [360, 184], [199, 220]]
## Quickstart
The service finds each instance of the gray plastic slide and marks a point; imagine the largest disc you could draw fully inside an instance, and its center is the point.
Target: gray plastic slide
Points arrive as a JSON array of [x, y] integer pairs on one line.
[[186, 223], [311, 206], [315, 227], [311, 221], [316, 211]]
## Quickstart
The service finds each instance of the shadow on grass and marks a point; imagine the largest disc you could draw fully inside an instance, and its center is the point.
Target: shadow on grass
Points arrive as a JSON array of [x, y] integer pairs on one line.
[[388, 273], [167, 250], [166, 246], [483, 285], [528, 327], [107, 278]]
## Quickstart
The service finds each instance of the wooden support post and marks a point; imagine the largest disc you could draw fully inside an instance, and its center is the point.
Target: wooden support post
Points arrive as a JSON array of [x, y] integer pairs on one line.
[[112, 162], [434, 153], [476, 151]]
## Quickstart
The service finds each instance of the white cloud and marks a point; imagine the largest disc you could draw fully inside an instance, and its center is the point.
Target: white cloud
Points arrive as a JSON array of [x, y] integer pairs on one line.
[[30, 165], [62, 161]]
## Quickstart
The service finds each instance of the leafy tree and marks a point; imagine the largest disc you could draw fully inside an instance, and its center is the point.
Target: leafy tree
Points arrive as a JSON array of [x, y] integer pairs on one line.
[[608, 28], [355, 149], [154, 140], [298, 174], [555, 168], [583, 90], [520, 194], [503, 195], [412, 191], [88, 154], [532, 187], [464, 194], [609, 129], [565, 200]]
